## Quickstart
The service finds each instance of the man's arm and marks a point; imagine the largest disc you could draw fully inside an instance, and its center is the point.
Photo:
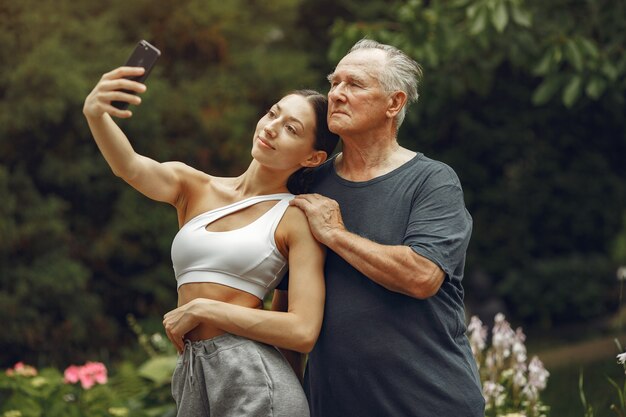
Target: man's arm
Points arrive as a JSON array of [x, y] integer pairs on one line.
[[396, 267]]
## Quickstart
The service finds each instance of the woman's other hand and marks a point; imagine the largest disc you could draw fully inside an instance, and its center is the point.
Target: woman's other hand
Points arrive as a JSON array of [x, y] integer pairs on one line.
[[182, 320]]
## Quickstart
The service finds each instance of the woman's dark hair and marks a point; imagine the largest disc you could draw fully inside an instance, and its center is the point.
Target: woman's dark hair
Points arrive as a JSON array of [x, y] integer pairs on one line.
[[300, 181]]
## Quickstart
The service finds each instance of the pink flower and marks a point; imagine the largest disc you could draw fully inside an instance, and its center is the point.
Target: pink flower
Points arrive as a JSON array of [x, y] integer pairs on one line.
[[22, 369], [89, 374], [71, 374], [92, 373]]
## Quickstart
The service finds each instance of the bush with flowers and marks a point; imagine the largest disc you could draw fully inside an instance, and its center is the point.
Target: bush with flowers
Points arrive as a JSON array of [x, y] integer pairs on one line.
[[89, 391], [511, 384]]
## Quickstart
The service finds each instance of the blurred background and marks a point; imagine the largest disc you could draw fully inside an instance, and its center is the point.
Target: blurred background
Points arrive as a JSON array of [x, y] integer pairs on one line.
[[523, 98]]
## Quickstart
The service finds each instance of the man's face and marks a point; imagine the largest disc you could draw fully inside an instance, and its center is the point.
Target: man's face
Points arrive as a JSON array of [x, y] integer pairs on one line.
[[357, 102]]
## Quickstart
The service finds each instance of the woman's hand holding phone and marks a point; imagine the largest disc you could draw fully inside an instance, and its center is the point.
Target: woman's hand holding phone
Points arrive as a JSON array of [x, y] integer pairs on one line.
[[115, 86], [118, 88]]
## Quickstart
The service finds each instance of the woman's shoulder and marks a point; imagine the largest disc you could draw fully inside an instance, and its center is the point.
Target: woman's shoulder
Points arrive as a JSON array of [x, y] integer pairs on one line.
[[294, 223], [295, 215]]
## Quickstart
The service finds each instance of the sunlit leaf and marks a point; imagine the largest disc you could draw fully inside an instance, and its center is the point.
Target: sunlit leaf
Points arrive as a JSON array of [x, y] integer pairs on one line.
[[459, 3], [589, 47], [544, 65], [520, 16], [572, 91], [609, 70], [595, 87], [546, 90], [573, 55], [479, 22], [500, 16], [158, 369]]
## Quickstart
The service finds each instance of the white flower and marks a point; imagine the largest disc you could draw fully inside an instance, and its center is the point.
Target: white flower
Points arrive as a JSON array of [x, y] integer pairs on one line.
[[503, 337], [477, 335], [519, 349], [531, 393], [519, 380], [537, 374], [492, 390], [621, 358]]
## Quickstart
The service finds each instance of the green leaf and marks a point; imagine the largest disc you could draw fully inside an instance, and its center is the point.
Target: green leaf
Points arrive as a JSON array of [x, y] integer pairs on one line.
[[609, 70], [158, 369], [619, 392], [546, 90], [544, 65], [588, 47], [572, 91], [472, 11], [557, 54], [520, 16], [573, 55], [459, 3], [500, 17], [479, 22], [595, 87]]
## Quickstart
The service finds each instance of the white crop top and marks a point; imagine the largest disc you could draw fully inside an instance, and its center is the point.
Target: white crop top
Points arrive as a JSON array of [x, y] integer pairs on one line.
[[246, 258]]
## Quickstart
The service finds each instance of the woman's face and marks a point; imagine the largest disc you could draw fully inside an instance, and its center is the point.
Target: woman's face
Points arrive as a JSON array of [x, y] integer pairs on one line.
[[285, 135]]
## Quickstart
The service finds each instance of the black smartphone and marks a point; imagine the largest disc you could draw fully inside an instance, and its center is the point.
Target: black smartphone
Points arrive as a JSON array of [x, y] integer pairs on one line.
[[144, 55]]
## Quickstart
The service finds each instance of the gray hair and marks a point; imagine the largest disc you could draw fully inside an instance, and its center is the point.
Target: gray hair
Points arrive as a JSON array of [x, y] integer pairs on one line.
[[401, 73]]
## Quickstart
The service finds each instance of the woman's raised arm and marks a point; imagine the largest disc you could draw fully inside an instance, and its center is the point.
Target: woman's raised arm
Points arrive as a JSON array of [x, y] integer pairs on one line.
[[158, 181]]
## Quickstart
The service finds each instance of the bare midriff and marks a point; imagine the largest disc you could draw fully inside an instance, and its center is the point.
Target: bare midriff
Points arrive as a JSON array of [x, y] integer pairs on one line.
[[212, 291]]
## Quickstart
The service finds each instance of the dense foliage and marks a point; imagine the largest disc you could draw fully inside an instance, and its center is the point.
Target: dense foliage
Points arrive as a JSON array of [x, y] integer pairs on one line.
[[524, 99], [80, 249]]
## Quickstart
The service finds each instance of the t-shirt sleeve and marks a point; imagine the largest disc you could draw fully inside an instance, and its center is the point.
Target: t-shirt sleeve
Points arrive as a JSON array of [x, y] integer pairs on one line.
[[439, 226]]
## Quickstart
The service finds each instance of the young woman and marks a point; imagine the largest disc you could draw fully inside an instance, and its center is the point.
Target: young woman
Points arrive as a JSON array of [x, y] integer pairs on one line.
[[237, 238]]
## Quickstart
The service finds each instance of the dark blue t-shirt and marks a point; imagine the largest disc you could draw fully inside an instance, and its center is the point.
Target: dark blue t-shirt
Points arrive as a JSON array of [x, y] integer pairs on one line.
[[381, 353]]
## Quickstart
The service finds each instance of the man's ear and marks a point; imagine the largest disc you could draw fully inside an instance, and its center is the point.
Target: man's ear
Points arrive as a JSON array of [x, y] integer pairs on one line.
[[397, 100], [315, 159]]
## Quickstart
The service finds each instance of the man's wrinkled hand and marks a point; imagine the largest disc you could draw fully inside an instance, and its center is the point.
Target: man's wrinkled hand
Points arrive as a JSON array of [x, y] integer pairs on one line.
[[323, 214]]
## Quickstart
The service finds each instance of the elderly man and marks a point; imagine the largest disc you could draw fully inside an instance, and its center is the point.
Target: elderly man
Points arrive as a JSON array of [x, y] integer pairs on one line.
[[393, 340]]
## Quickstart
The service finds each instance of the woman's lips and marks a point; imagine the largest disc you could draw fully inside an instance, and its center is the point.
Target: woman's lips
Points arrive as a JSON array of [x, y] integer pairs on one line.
[[264, 143]]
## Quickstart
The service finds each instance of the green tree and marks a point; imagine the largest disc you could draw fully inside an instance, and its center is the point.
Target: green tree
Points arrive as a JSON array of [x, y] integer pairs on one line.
[[525, 100], [79, 248]]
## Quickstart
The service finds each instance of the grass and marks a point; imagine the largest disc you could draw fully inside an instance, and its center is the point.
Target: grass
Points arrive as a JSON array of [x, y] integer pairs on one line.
[[562, 393]]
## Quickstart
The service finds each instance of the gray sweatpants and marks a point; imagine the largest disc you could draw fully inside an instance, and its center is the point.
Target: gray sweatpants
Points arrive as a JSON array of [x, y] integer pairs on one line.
[[229, 376]]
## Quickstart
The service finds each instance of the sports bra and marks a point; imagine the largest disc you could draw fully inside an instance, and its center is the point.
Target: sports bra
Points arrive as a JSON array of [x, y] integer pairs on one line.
[[245, 258]]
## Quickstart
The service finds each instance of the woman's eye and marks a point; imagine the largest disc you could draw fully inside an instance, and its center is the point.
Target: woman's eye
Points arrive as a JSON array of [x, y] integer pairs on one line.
[[291, 129], [271, 113]]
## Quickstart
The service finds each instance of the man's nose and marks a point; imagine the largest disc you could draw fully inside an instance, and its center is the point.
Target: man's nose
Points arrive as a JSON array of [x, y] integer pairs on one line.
[[337, 93]]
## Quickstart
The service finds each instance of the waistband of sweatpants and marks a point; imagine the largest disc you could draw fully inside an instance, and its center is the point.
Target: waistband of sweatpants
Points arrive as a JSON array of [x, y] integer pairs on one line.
[[207, 347], [217, 343]]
